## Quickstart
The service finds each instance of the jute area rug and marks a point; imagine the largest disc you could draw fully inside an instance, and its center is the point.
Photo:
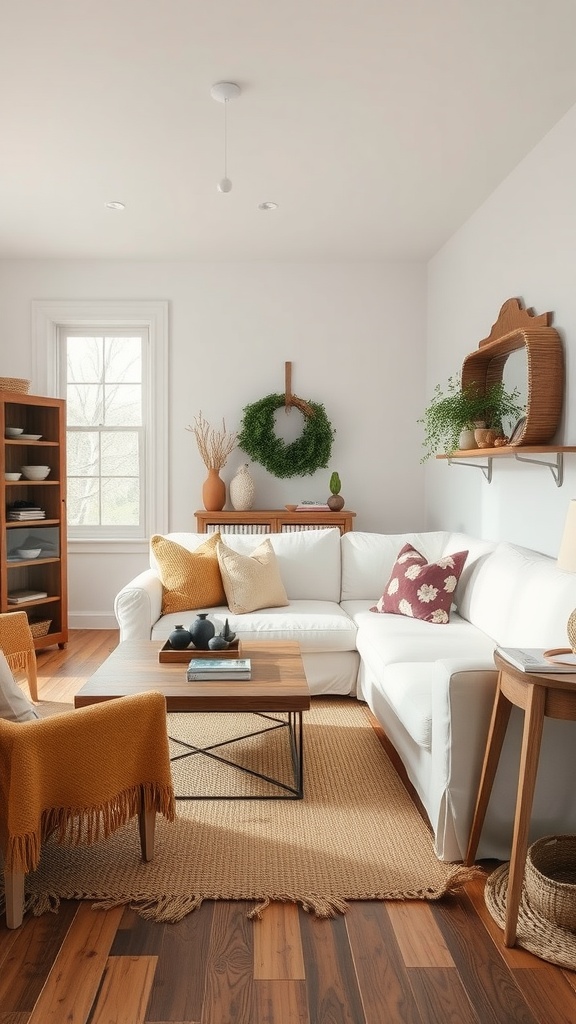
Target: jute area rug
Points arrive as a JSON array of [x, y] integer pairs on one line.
[[356, 835]]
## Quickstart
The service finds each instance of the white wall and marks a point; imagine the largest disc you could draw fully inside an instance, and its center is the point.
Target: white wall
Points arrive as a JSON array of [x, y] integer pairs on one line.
[[355, 335], [521, 242]]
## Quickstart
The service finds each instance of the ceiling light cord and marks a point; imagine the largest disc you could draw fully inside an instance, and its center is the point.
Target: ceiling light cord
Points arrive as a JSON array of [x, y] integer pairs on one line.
[[223, 92]]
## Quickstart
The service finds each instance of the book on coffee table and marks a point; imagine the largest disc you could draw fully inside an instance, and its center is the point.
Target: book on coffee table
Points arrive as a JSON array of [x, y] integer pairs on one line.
[[219, 668]]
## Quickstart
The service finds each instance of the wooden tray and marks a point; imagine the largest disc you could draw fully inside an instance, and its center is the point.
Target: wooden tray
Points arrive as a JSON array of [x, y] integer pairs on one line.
[[167, 653]]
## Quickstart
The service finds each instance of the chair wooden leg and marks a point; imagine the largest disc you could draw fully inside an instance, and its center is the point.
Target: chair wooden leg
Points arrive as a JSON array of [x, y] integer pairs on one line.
[[14, 894], [32, 676], [147, 826]]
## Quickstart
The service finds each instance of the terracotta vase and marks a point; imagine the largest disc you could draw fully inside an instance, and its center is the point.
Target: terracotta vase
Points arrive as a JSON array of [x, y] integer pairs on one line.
[[335, 502], [214, 492]]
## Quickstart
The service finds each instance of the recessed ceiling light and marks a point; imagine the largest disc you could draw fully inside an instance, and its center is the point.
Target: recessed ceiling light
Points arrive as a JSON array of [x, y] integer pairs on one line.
[[267, 206], [115, 206]]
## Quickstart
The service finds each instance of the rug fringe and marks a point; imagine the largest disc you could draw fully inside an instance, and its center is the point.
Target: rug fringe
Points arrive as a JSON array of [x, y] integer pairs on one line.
[[170, 909]]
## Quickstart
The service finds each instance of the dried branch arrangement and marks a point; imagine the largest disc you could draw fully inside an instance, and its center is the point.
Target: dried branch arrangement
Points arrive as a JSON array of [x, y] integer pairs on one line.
[[214, 445]]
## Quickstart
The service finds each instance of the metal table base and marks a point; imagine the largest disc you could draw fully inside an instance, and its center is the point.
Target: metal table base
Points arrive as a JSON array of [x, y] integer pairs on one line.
[[292, 722]]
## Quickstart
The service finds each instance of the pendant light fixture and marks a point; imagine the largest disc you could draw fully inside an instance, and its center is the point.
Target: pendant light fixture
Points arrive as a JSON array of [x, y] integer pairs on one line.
[[223, 92]]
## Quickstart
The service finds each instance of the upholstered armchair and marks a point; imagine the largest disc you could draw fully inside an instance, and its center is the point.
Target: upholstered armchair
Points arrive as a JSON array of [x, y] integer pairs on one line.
[[17, 642], [80, 775]]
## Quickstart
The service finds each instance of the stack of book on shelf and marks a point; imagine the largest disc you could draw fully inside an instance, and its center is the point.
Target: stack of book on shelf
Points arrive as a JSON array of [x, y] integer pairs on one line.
[[312, 506], [218, 668], [24, 514], [21, 596]]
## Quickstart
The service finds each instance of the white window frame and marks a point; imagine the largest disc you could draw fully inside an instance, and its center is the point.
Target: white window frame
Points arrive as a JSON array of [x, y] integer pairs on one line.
[[50, 315]]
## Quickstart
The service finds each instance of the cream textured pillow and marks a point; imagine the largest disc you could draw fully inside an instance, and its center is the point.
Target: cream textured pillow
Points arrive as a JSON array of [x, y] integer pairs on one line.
[[190, 579], [251, 581]]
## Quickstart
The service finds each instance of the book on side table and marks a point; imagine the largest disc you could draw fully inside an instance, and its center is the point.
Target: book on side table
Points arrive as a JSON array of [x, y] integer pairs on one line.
[[539, 659], [219, 668]]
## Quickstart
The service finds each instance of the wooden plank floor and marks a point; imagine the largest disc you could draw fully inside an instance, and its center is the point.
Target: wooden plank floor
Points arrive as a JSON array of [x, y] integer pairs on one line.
[[403, 963]]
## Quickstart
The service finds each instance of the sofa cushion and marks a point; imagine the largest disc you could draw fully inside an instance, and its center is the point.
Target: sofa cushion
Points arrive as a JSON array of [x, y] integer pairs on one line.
[[368, 558], [251, 581], [520, 597], [14, 705], [421, 589], [190, 579], [309, 560], [318, 626]]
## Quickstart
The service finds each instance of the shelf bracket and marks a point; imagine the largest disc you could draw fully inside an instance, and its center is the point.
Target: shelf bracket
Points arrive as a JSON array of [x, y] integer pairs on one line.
[[486, 467], [556, 468]]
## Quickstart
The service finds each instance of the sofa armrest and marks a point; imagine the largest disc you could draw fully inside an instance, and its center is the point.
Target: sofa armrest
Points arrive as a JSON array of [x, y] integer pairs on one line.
[[462, 699], [138, 606]]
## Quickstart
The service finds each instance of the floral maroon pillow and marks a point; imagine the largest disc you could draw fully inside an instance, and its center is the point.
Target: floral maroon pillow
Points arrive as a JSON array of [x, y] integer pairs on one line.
[[421, 589]]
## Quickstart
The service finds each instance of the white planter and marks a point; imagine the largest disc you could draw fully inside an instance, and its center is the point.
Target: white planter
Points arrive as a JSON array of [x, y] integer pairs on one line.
[[466, 440]]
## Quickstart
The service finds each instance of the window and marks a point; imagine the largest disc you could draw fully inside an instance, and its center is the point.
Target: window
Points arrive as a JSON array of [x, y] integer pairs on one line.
[[108, 360], [102, 377]]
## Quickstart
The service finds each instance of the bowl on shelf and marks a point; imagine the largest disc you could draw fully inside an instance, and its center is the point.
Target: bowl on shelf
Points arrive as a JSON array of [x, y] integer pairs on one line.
[[28, 552], [14, 431], [11, 477], [291, 508], [30, 437], [35, 472]]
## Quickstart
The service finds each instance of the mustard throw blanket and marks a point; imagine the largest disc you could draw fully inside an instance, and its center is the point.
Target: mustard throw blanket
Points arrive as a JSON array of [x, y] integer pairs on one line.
[[82, 773]]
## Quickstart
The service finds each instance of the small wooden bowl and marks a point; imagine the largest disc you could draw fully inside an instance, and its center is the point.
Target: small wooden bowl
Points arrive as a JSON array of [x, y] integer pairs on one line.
[[291, 508]]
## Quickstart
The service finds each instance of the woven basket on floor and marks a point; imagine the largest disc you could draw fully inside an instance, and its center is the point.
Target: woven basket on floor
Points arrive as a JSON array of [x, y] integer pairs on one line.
[[15, 384], [550, 879], [40, 628]]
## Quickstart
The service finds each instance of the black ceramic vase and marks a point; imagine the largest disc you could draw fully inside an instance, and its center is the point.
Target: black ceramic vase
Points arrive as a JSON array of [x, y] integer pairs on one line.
[[201, 631], [180, 638]]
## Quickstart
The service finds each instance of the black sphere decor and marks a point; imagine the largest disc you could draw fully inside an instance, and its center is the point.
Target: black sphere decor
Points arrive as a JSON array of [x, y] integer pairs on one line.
[[309, 452]]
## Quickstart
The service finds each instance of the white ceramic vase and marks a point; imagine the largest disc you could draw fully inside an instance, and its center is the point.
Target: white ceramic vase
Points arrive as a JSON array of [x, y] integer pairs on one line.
[[466, 440], [242, 490]]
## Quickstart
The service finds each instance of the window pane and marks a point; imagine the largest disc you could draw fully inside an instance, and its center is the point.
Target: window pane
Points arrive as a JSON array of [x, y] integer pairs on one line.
[[123, 360], [120, 453], [123, 403], [83, 502], [84, 405], [120, 502], [84, 359], [83, 457]]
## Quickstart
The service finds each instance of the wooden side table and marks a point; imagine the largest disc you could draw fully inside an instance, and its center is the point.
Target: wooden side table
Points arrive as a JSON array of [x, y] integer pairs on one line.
[[551, 695]]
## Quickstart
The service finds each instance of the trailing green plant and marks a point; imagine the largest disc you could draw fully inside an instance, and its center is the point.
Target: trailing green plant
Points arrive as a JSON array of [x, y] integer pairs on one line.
[[455, 408]]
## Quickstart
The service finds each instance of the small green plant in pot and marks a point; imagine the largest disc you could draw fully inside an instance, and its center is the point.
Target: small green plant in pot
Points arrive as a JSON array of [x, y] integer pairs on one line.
[[454, 409], [335, 501]]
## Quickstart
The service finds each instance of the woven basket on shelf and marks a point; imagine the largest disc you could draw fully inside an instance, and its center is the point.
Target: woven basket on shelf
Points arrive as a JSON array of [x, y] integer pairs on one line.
[[550, 879], [15, 384], [40, 628]]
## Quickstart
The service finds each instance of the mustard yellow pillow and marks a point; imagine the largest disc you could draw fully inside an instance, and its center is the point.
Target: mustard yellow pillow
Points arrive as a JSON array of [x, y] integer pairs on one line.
[[190, 579], [251, 581]]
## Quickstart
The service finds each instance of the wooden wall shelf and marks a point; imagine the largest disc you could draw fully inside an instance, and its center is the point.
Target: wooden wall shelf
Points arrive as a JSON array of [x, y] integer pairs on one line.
[[520, 453]]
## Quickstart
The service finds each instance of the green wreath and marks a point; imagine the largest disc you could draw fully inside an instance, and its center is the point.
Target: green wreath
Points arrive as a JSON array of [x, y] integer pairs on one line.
[[309, 452]]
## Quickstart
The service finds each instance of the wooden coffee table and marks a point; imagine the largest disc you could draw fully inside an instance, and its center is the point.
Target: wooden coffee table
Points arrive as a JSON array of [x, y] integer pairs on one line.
[[278, 691]]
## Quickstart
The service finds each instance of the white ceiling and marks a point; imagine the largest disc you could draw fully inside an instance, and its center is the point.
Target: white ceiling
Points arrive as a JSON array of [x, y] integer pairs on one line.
[[378, 126]]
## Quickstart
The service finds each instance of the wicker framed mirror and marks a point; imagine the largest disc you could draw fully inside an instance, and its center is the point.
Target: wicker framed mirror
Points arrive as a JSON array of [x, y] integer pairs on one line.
[[518, 328]]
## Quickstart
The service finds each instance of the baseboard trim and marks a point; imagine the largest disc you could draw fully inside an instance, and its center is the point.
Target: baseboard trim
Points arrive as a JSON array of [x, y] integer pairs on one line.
[[92, 620]]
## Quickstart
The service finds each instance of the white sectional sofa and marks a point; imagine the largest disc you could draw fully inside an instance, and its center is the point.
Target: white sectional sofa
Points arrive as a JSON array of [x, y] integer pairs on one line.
[[430, 685]]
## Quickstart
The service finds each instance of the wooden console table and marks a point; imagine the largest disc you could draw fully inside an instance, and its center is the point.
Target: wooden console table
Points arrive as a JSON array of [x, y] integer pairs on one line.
[[275, 520]]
